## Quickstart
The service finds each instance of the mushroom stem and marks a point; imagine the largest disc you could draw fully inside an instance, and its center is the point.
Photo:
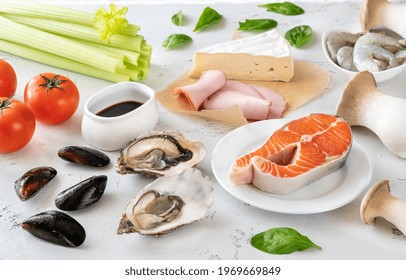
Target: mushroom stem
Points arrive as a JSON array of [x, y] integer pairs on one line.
[[362, 104], [379, 202], [383, 13]]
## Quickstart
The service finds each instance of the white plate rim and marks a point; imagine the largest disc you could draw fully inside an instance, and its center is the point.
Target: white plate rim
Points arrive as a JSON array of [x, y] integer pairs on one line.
[[353, 180]]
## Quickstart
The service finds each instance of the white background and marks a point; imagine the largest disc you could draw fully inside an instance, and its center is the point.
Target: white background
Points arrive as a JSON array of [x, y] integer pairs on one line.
[[225, 233]]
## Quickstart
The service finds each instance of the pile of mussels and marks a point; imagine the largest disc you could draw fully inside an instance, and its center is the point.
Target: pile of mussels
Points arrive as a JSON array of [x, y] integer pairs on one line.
[[55, 226]]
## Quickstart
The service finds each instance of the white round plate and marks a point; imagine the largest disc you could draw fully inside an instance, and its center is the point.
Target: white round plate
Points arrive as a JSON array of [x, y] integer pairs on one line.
[[330, 192]]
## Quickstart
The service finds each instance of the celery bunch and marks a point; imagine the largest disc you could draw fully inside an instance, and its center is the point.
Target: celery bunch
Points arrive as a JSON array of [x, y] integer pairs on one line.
[[103, 45]]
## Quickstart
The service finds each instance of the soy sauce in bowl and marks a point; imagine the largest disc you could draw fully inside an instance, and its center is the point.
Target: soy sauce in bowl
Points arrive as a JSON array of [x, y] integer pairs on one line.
[[119, 109], [113, 133]]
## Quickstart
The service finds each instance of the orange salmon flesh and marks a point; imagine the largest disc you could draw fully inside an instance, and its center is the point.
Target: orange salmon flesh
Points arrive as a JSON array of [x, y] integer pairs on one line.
[[299, 147]]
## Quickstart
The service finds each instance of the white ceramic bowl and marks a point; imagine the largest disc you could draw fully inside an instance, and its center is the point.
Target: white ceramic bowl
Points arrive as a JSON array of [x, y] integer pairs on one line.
[[112, 133], [379, 76]]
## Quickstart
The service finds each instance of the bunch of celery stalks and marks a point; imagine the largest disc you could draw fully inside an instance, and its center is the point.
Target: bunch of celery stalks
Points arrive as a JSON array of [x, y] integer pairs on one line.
[[101, 44]]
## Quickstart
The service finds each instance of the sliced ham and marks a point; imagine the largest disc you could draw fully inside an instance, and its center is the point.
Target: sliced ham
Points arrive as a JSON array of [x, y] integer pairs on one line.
[[215, 92], [252, 107], [278, 102], [242, 88], [210, 82]]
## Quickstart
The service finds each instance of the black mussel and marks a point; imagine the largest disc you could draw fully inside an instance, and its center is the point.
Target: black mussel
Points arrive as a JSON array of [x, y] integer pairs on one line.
[[33, 181], [56, 227], [82, 195], [84, 155]]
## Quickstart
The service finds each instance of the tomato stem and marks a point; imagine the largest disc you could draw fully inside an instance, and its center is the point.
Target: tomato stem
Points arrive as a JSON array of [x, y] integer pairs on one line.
[[4, 104], [52, 83]]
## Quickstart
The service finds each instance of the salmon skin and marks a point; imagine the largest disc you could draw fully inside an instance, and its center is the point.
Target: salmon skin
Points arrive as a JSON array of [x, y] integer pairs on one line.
[[300, 152]]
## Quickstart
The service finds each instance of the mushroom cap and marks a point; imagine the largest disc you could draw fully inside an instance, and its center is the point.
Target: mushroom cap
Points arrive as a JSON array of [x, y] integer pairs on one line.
[[370, 14], [357, 97], [374, 201]]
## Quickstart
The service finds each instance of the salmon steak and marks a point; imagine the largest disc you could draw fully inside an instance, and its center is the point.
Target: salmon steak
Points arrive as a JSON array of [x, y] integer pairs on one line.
[[298, 153]]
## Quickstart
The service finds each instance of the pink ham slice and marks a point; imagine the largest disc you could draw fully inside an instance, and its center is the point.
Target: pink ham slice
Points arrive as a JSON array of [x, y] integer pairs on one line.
[[278, 102], [252, 107], [256, 102], [210, 82], [215, 92], [241, 88]]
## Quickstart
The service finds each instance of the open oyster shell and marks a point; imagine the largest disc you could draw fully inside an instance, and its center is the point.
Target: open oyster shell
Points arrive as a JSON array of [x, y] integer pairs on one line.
[[158, 153], [168, 203]]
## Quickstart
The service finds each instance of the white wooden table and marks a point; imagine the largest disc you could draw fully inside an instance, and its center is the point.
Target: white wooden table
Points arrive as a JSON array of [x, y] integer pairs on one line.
[[229, 225]]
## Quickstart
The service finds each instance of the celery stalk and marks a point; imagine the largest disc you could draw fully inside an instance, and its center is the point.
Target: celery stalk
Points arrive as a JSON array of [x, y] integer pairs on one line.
[[134, 74], [129, 56], [54, 12], [25, 35], [146, 51], [60, 62], [65, 38], [81, 32]]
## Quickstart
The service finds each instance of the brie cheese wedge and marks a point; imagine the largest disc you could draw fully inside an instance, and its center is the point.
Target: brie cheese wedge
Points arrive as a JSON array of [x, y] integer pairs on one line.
[[263, 57]]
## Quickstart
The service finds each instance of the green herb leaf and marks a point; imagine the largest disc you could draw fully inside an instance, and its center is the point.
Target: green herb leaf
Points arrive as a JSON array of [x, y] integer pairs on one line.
[[175, 41], [178, 18], [284, 8], [282, 240], [208, 17], [299, 35], [257, 24]]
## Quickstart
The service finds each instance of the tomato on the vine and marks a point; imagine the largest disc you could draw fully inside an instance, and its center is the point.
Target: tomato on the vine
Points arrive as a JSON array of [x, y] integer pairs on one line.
[[17, 125], [8, 79], [52, 98]]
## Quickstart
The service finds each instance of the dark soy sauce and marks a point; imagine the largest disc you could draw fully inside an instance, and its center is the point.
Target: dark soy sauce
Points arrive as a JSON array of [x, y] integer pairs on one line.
[[119, 109]]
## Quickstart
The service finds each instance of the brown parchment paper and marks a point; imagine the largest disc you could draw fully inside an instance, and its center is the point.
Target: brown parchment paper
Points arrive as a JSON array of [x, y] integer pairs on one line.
[[308, 81]]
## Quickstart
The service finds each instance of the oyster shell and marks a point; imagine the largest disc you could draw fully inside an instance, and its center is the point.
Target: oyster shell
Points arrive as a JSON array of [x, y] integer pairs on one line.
[[168, 203], [158, 153]]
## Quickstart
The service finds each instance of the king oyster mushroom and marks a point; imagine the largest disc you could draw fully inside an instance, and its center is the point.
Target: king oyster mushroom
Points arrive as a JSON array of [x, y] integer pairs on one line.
[[168, 203], [383, 13], [363, 104], [158, 153]]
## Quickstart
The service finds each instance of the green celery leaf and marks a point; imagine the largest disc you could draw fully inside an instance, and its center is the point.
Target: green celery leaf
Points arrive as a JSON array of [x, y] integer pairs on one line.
[[282, 240], [299, 35], [175, 41], [257, 24], [284, 8], [110, 22], [208, 17]]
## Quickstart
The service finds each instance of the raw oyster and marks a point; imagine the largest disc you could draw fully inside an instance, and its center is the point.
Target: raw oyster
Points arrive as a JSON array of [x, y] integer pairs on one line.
[[168, 203], [160, 153]]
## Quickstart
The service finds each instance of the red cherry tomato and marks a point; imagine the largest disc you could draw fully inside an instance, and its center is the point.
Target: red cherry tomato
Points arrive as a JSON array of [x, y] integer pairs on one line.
[[17, 125], [8, 79], [52, 98]]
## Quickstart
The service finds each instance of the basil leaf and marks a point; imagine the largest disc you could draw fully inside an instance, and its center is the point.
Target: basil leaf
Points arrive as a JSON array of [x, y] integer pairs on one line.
[[299, 35], [175, 41], [208, 17], [284, 8], [282, 240], [178, 18], [257, 24]]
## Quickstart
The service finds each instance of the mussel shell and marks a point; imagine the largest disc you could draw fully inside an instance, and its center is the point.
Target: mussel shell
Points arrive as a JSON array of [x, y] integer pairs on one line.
[[84, 156], [82, 195], [33, 181], [56, 227]]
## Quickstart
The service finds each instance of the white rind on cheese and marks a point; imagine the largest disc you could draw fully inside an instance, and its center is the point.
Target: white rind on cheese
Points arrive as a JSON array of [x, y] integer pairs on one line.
[[265, 57], [269, 43]]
